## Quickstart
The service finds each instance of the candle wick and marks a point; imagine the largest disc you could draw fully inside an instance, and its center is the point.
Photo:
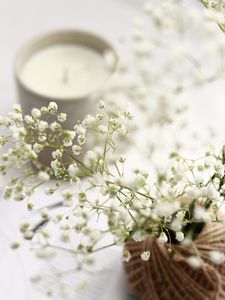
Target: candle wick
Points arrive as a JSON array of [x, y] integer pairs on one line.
[[65, 76]]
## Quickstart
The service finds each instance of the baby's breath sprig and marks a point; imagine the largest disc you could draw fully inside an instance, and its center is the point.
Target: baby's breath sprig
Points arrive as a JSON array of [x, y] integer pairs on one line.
[[101, 201], [172, 209]]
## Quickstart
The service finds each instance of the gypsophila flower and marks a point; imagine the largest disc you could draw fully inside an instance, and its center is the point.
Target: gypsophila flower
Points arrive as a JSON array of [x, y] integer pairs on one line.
[[80, 129], [42, 126], [163, 238], [179, 236], [102, 129], [43, 176], [69, 134], [55, 126], [62, 117], [57, 154], [17, 117], [28, 119], [42, 137], [145, 255], [138, 236], [67, 142], [217, 257], [126, 256], [101, 104], [36, 113], [76, 149], [89, 121], [8, 192], [73, 170], [67, 197], [45, 213], [55, 164], [44, 109], [52, 107], [65, 237], [194, 262], [81, 139], [17, 108]]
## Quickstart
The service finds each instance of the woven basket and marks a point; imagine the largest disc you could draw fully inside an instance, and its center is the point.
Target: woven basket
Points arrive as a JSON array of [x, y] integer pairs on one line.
[[167, 277]]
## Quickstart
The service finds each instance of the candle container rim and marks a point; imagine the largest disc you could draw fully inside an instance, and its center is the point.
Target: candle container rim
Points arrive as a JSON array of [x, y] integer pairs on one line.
[[27, 47]]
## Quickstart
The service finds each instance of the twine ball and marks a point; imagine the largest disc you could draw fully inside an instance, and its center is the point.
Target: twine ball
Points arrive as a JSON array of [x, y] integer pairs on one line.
[[170, 277]]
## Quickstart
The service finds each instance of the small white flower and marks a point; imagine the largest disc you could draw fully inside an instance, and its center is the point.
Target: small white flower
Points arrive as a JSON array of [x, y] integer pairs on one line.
[[194, 262], [44, 109], [42, 126], [126, 256], [102, 129], [101, 104], [37, 148], [76, 149], [81, 139], [57, 154], [89, 121], [73, 170], [145, 255], [94, 235], [17, 108], [65, 236], [179, 236], [199, 179], [68, 197], [217, 257], [55, 126], [8, 192], [16, 116], [28, 119], [62, 117], [36, 113], [45, 213], [200, 213], [28, 234], [123, 130], [68, 193], [139, 180], [163, 238], [180, 215], [55, 164], [67, 142], [43, 176], [42, 137], [52, 107], [80, 129], [69, 134], [166, 209], [176, 224], [192, 192], [138, 236]]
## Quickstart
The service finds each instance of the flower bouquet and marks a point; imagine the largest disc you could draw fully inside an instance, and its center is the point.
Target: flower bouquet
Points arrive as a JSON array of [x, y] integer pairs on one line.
[[172, 227]]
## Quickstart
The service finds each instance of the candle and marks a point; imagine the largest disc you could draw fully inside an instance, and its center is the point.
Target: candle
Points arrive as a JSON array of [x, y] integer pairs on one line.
[[65, 70], [67, 67]]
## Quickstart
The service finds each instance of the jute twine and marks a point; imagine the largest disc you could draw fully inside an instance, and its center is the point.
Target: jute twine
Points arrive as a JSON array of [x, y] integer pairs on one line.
[[167, 277]]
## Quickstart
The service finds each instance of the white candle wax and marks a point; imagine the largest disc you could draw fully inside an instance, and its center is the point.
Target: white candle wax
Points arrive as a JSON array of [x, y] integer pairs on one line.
[[65, 70]]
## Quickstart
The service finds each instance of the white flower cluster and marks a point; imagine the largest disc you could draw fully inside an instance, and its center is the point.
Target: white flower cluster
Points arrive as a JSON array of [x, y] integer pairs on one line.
[[173, 208]]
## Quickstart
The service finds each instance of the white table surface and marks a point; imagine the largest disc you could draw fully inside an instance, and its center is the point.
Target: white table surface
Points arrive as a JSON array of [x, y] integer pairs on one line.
[[20, 21]]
